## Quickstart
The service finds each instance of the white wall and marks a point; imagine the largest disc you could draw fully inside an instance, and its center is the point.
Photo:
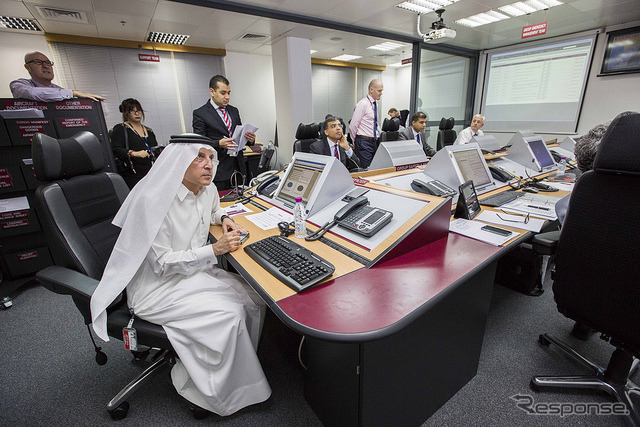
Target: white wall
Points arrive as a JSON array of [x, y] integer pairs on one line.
[[14, 46], [252, 91], [397, 89], [605, 97]]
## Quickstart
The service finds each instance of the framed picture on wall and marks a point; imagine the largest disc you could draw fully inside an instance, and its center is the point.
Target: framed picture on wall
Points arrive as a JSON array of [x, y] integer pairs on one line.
[[622, 54]]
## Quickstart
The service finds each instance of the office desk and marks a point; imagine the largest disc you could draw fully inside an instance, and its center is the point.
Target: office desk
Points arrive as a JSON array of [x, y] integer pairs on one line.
[[391, 344]]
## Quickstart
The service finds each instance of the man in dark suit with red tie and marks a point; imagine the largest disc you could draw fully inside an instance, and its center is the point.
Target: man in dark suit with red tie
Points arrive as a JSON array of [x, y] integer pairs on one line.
[[217, 120], [334, 143]]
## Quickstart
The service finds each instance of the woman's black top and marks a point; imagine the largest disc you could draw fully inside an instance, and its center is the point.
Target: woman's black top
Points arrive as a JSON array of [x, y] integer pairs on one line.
[[136, 143]]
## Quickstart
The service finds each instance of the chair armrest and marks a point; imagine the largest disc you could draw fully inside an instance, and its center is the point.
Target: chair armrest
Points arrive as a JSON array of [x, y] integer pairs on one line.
[[65, 281], [546, 243]]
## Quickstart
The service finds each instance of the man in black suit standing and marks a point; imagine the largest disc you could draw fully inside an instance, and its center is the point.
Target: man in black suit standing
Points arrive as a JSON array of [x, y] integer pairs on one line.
[[334, 143], [417, 131], [217, 120]]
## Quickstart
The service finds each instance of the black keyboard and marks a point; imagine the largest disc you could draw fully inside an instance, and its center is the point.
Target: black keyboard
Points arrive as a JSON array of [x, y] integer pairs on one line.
[[501, 198], [293, 265]]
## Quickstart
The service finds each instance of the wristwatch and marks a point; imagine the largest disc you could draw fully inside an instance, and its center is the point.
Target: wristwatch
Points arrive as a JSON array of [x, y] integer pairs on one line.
[[130, 153], [225, 216]]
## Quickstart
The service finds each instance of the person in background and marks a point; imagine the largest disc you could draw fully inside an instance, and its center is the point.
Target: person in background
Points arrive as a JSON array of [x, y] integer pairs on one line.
[[334, 143], [465, 135], [393, 113], [133, 162], [39, 86], [363, 127], [217, 119], [417, 131]]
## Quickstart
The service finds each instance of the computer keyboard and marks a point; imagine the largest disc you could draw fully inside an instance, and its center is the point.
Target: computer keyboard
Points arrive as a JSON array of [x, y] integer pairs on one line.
[[293, 265], [501, 198]]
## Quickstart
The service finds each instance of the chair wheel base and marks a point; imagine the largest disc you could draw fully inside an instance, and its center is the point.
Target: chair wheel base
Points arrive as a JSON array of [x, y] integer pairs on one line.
[[544, 340], [120, 413]]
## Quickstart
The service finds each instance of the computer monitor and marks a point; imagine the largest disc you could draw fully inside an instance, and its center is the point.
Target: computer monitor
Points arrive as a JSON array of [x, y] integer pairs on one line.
[[457, 164], [540, 152], [472, 166], [487, 142], [300, 180], [398, 153], [319, 180]]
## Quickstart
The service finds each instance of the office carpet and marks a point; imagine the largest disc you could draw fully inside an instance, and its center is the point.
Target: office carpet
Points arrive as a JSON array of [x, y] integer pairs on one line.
[[48, 374]]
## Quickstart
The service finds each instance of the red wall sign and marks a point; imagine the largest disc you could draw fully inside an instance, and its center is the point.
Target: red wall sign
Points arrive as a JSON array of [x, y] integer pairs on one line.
[[534, 30], [75, 104], [407, 61], [148, 58], [20, 105], [5, 178], [28, 128]]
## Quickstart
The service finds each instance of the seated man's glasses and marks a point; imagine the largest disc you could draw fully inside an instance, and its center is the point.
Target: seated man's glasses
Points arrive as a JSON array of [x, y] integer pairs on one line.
[[40, 62], [525, 219]]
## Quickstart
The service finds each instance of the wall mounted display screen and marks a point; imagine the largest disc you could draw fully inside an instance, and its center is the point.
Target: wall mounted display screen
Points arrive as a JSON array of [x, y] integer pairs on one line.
[[539, 87], [622, 55]]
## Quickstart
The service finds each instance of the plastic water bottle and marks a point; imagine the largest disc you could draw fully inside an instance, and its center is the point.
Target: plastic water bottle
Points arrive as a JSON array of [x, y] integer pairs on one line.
[[562, 166], [299, 218]]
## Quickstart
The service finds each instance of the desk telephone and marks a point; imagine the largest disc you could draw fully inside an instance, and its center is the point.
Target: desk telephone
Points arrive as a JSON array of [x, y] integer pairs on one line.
[[268, 186], [361, 218], [435, 188], [358, 217]]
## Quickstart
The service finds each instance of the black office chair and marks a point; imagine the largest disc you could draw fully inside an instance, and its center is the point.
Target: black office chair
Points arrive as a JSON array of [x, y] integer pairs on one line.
[[403, 117], [305, 136], [446, 134], [596, 264], [390, 130], [76, 207]]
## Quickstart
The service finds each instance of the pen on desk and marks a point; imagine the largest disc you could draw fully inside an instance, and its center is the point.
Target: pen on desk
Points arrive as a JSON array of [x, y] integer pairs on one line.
[[538, 207]]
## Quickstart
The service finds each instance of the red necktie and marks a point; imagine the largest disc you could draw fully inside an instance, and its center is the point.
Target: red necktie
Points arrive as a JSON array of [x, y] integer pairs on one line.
[[336, 152], [226, 119]]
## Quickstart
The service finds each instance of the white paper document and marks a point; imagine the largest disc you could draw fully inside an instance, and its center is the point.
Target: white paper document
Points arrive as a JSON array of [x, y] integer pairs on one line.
[[541, 206], [474, 230], [14, 204], [26, 113], [240, 138], [562, 186], [517, 221], [270, 218], [237, 209]]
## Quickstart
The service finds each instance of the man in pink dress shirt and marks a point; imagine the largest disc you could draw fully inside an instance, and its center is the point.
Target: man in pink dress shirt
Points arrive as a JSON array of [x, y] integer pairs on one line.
[[39, 86], [364, 123]]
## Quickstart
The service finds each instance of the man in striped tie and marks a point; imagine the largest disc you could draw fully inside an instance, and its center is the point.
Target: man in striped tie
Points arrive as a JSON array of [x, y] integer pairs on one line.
[[217, 120]]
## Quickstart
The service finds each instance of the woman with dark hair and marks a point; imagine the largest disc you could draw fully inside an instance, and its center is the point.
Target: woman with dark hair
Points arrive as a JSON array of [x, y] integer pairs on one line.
[[133, 143]]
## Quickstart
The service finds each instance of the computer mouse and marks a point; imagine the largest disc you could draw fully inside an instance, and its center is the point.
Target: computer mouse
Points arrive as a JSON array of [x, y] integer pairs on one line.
[[530, 190]]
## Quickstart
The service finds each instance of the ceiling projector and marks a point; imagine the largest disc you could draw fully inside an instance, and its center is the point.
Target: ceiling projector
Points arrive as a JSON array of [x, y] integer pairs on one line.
[[439, 31]]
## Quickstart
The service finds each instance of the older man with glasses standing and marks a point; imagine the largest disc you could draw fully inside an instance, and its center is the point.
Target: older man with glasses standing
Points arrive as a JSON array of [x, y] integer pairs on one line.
[[39, 86]]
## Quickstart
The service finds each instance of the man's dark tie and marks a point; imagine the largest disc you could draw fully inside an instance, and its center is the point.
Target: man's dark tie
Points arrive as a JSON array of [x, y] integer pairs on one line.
[[375, 119], [226, 119], [418, 138], [336, 152]]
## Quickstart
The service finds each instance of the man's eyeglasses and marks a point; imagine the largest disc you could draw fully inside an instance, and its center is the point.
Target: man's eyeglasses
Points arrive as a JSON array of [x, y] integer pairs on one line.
[[524, 220], [40, 62]]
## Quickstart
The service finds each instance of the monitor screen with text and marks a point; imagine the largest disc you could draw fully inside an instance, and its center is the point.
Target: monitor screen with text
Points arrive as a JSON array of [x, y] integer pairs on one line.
[[300, 181], [472, 166]]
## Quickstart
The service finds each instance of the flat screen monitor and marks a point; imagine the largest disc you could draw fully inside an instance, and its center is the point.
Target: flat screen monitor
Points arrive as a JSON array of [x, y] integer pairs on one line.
[[622, 53], [472, 166], [300, 181], [487, 142], [540, 152]]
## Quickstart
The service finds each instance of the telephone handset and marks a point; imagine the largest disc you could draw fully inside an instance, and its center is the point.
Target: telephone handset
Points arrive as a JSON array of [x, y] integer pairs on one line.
[[268, 186], [350, 207]]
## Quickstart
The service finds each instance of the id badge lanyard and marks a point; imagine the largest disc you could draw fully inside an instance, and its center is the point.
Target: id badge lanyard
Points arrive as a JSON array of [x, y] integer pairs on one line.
[[129, 335]]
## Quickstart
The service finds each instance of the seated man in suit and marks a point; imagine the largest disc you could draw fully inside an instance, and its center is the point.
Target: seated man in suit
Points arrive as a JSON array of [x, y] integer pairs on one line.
[[334, 143], [217, 119], [417, 131]]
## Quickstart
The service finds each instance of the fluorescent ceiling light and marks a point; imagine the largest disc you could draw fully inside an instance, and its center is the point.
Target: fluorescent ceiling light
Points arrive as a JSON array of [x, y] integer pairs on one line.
[[385, 46], [414, 8], [528, 6], [19, 23], [311, 52], [345, 57], [167, 38], [424, 6], [482, 19]]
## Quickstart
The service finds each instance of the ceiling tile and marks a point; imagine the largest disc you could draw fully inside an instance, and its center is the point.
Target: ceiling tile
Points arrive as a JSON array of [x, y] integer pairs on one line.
[[15, 9], [126, 7], [66, 28], [109, 26]]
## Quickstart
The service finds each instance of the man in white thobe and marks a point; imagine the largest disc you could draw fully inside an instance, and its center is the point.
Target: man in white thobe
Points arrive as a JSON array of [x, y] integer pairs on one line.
[[466, 134], [212, 317]]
